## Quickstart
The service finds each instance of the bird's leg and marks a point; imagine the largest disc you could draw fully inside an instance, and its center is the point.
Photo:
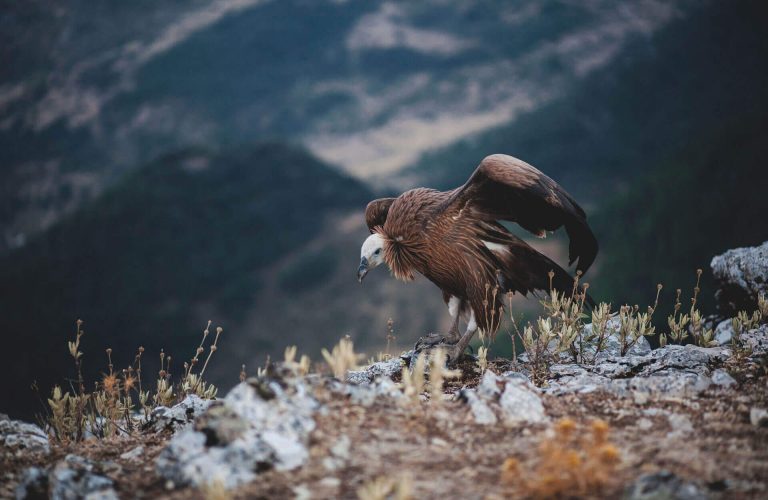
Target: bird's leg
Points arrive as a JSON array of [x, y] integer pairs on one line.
[[453, 343], [454, 309], [456, 350]]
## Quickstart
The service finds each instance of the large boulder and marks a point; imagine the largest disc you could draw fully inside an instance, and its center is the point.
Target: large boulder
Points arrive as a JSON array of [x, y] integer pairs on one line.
[[741, 276]]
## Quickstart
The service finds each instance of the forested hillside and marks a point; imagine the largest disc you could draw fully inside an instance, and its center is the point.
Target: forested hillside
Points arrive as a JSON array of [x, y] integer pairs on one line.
[[187, 236]]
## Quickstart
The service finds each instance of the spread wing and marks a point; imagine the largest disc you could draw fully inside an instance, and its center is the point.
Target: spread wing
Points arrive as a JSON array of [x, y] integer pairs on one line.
[[505, 188], [376, 212]]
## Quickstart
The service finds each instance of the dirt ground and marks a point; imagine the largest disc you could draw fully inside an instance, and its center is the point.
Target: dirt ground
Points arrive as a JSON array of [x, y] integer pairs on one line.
[[438, 451]]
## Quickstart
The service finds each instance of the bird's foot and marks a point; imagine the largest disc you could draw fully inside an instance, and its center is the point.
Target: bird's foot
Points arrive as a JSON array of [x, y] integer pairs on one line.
[[451, 346]]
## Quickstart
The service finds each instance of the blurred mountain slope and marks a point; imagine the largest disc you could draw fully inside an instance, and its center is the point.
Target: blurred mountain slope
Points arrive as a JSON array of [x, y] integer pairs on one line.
[[94, 90], [652, 99], [191, 236]]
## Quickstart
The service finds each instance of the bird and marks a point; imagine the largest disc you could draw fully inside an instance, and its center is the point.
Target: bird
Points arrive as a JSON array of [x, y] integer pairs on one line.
[[456, 240]]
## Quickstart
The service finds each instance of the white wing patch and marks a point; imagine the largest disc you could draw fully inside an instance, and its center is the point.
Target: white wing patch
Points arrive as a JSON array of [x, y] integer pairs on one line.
[[453, 306], [496, 247]]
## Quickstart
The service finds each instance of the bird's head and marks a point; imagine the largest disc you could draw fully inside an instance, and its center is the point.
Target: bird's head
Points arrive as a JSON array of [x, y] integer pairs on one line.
[[371, 255]]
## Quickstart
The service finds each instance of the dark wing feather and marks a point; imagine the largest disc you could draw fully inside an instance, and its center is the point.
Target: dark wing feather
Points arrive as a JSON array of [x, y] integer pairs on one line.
[[376, 212], [505, 188]]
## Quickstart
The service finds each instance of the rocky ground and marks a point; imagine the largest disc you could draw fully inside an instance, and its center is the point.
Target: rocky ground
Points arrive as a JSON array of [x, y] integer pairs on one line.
[[682, 422]]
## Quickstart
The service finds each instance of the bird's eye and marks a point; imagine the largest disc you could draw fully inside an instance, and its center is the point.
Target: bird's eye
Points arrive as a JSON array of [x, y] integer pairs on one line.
[[377, 252]]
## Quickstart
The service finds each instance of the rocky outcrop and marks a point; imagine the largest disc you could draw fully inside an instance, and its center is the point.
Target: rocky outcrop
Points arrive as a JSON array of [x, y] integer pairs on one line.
[[741, 276], [71, 478], [21, 437], [388, 368], [510, 398], [260, 424], [177, 416], [670, 372]]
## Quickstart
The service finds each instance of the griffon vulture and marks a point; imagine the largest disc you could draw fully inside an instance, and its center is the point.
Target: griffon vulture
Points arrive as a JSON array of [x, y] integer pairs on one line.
[[455, 240]]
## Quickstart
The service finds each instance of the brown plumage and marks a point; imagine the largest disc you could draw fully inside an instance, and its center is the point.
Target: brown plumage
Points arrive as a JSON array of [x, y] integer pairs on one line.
[[454, 238]]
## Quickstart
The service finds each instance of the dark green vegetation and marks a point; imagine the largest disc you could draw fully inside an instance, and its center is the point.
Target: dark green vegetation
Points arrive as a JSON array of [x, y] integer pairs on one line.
[[665, 147], [191, 229]]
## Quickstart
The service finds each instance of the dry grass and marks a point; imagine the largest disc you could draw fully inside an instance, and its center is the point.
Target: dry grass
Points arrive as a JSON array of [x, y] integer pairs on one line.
[[572, 462], [119, 405], [341, 358]]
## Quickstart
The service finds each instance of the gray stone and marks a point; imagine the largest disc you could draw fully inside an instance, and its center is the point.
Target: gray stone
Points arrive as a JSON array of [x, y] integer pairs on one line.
[[672, 372], [382, 389], [76, 477], [179, 415], [741, 275], [521, 403], [758, 417], [664, 485], [722, 378], [261, 424], [724, 332], [681, 425], [388, 368], [22, 437], [511, 399], [133, 454], [479, 408], [756, 340], [33, 484]]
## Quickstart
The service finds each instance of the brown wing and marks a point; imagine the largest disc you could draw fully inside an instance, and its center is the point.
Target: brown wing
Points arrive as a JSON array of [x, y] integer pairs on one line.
[[376, 212], [505, 188]]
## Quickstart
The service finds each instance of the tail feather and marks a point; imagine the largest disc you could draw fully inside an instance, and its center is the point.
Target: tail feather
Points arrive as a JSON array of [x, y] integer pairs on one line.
[[583, 244], [525, 270]]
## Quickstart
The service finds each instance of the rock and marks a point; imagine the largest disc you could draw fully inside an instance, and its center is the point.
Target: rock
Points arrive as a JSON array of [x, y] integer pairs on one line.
[[512, 397], [756, 340], [681, 425], [663, 485], [133, 454], [481, 412], [520, 402], [76, 477], [671, 372], [366, 394], [722, 378], [741, 275], [724, 332], [20, 437], [260, 424], [339, 454], [33, 484], [758, 417], [179, 415], [368, 374]]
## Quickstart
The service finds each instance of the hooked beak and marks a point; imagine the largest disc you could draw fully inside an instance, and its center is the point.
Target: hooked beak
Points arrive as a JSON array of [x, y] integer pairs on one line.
[[362, 270]]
